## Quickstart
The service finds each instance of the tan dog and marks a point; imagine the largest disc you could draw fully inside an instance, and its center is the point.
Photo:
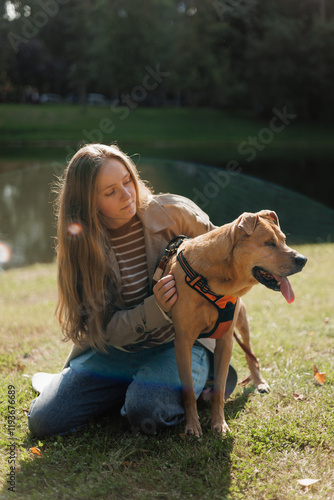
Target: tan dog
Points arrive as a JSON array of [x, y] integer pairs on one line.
[[232, 259]]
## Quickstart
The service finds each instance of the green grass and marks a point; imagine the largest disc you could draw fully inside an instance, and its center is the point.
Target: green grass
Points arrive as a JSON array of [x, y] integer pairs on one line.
[[274, 441], [203, 135]]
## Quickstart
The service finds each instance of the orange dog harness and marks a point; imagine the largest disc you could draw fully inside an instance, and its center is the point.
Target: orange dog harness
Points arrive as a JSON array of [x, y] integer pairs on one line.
[[225, 304]]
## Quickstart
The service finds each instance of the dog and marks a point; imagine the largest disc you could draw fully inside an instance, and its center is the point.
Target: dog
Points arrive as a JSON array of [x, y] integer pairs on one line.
[[212, 272]]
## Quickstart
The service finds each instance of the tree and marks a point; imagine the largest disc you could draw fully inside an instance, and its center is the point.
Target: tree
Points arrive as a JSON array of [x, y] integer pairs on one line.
[[136, 35], [290, 60], [254, 54]]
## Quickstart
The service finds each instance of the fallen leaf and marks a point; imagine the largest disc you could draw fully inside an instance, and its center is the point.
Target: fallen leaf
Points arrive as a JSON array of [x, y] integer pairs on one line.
[[306, 483], [320, 377], [298, 397], [36, 451]]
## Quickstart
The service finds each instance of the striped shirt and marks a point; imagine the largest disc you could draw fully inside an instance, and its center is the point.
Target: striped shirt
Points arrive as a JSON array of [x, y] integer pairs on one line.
[[128, 243]]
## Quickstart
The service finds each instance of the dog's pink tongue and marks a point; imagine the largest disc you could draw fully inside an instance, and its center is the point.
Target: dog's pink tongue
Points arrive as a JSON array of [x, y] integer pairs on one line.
[[286, 289]]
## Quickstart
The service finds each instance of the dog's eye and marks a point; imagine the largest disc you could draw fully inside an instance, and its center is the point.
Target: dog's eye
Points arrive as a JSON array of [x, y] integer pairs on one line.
[[270, 243]]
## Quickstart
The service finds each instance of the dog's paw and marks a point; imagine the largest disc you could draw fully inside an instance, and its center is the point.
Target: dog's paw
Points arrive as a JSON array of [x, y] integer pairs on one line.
[[262, 388], [193, 429], [221, 428]]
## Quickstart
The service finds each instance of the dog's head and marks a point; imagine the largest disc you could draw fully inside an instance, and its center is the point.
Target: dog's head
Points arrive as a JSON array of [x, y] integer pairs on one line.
[[260, 251]]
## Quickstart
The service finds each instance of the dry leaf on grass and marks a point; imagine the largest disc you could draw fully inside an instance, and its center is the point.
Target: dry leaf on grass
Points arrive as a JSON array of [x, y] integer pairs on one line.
[[306, 483], [320, 377], [298, 397], [36, 451]]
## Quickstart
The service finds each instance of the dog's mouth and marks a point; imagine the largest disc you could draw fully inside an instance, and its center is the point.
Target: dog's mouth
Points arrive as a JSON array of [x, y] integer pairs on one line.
[[276, 283]]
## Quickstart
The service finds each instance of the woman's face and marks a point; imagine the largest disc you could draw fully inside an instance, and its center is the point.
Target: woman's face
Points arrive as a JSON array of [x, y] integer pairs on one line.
[[116, 194]]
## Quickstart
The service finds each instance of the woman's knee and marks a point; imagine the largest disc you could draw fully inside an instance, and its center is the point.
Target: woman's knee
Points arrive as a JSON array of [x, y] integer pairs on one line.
[[46, 420], [38, 423]]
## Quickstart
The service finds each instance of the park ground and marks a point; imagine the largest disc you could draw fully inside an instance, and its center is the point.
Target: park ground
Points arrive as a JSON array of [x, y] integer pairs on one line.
[[276, 439]]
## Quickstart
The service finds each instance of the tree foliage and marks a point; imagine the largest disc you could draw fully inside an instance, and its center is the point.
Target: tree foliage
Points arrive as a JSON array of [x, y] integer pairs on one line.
[[254, 54]]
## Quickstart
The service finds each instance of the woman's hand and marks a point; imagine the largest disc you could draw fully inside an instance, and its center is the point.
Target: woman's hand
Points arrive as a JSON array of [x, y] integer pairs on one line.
[[165, 292]]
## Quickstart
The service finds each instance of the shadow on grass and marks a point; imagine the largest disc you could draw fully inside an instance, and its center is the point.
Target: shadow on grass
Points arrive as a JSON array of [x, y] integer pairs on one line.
[[106, 460]]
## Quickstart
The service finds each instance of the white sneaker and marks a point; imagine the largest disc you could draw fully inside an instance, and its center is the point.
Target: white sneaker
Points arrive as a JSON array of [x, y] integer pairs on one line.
[[40, 380]]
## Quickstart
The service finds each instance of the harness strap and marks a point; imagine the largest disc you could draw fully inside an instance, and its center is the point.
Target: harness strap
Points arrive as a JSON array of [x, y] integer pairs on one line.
[[199, 283], [170, 250], [225, 304]]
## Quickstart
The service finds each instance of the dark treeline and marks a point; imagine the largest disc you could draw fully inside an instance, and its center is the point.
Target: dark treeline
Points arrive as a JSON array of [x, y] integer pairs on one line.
[[250, 54]]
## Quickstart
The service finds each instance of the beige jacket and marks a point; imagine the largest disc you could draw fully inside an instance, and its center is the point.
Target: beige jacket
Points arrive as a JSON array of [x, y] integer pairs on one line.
[[165, 217]]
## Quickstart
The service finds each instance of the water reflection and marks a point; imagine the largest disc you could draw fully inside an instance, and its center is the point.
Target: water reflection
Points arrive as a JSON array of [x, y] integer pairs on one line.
[[26, 219], [27, 223]]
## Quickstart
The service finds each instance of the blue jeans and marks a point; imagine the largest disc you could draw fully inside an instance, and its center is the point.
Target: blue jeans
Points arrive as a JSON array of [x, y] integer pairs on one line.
[[146, 383]]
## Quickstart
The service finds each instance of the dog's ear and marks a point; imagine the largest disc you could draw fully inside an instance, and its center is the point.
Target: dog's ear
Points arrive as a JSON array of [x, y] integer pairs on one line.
[[269, 214], [274, 217], [247, 222]]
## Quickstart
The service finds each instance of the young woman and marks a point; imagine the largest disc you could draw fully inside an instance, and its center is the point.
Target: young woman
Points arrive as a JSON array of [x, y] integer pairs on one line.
[[112, 232]]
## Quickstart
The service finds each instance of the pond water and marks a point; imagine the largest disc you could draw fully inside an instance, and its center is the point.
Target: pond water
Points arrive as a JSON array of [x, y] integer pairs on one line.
[[27, 222]]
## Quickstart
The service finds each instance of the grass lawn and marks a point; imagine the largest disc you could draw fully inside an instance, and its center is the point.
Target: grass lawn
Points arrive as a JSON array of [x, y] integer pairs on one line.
[[203, 135], [275, 440]]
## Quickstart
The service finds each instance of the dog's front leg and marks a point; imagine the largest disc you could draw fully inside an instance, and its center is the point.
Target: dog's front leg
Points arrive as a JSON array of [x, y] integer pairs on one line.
[[222, 357], [183, 348]]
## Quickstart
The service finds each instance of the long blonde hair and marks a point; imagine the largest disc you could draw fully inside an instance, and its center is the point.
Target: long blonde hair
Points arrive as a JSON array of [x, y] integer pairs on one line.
[[84, 277]]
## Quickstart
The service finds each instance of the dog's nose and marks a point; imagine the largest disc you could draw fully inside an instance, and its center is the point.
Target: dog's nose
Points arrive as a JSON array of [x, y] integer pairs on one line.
[[300, 260]]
